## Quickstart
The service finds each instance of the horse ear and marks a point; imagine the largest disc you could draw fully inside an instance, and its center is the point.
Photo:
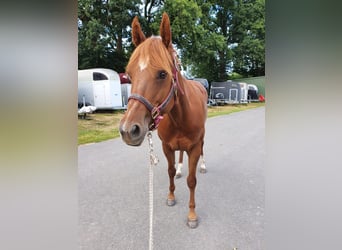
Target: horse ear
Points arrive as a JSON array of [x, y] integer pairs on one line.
[[137, 35], [165, 30]]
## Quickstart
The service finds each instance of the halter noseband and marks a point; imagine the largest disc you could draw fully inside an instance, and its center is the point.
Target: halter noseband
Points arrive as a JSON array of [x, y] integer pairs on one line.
[[156, 111]]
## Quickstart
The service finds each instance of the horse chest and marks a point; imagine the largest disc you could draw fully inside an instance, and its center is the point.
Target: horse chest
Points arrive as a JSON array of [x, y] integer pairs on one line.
[[179, 137], [181, 143], [178, 141]]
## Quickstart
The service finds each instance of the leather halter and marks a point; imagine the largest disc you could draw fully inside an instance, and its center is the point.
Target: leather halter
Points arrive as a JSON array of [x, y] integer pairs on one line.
[[156, 111]]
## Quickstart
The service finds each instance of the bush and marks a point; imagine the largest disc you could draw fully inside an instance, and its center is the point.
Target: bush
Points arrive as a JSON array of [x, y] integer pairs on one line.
[[235, 75]]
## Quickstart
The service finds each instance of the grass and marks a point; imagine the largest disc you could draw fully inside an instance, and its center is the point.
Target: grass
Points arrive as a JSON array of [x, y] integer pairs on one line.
[[228, 109], [99, 127]]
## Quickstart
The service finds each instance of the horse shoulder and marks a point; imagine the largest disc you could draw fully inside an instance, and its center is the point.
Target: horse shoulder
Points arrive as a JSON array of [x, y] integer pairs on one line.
[[197, 97], [198, 89]]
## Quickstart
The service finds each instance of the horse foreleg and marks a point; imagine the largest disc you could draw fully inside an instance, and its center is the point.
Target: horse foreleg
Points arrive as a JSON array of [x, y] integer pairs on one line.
[[179, 165], [194, 155], [170, 156]]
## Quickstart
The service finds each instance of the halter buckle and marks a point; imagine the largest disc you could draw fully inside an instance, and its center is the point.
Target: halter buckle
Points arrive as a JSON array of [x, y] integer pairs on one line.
[[155, 113]]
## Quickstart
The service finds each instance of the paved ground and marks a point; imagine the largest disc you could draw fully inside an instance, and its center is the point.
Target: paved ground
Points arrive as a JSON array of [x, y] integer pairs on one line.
[[113, 192]]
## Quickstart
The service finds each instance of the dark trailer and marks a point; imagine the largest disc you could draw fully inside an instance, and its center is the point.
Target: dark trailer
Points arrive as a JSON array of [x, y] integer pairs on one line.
[[253, 95], [228, 92]]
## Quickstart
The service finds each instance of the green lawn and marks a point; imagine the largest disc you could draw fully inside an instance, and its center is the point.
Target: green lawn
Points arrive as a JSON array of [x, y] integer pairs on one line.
[[99, 127]]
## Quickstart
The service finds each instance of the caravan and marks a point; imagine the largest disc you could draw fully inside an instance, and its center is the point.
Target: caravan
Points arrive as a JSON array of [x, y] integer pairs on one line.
[[253, 95], [225, 92], [228, 92], [244, 92], [100, 88]]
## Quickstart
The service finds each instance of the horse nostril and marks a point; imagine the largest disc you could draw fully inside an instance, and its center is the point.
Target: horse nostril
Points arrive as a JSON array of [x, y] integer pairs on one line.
[[135, 131]]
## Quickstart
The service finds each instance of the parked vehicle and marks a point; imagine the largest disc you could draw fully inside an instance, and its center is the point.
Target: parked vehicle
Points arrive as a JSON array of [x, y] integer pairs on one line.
[[125, 88], [244, 92], [228, 92], [253, 95], [100, 88], [203, 81]]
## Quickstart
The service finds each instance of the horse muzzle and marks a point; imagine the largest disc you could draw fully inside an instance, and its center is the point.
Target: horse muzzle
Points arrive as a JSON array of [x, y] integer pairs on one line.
[[133, 134]]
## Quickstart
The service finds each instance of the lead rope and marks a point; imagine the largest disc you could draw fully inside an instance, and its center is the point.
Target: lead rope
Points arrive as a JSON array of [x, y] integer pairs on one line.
[[153, 162]]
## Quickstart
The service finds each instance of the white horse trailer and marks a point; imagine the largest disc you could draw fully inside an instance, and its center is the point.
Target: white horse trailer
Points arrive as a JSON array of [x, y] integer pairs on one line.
[[125, 93], [100, 88], [244, 92]]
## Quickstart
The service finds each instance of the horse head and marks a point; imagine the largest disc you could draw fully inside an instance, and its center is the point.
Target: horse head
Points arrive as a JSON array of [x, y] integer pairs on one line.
[[153, 75]]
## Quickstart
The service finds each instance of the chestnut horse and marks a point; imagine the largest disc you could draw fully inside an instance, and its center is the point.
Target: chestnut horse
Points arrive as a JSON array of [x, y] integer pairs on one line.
[[161, 98]]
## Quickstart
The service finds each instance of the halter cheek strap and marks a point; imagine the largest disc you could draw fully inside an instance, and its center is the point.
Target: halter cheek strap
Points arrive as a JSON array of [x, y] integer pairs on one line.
[[155, 110]]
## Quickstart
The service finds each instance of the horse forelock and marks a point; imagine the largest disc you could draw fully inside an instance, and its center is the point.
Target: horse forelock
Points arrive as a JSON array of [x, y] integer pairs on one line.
[[151, 55]]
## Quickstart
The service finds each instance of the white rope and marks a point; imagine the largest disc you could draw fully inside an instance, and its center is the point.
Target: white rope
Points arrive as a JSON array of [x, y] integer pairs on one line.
[[153, 162], [150, 247]]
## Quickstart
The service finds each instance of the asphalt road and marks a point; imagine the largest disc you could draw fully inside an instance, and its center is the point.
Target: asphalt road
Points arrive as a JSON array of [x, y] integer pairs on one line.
[[113, 192]]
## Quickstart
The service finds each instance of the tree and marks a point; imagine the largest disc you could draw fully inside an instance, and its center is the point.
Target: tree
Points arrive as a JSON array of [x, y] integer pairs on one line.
[[222, 12], [212, 37], [198, 46], [248, 32], [91, 46], [150, 8], [102, 32]]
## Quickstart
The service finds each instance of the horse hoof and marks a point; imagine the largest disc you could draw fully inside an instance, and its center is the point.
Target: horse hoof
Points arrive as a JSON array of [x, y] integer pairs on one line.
[[170, 203], [178, 175], [192, 223], [203, 170]]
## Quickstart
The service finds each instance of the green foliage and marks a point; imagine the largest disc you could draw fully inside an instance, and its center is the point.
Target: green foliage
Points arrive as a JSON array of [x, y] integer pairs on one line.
[[195, 34], [102, 31], [235, 75], [214, 38], [248, 31]]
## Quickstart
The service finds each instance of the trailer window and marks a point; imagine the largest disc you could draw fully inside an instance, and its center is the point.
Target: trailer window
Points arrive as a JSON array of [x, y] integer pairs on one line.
[[99, 76]]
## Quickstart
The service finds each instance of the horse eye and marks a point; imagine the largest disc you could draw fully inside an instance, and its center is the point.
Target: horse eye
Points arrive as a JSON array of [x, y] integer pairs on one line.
[[162, 74]]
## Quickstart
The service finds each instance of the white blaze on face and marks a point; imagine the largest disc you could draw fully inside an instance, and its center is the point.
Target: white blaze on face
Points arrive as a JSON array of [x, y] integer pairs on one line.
[[143, 63]]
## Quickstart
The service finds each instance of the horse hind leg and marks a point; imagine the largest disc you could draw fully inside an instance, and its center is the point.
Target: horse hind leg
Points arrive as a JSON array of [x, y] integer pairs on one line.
[[170, 156], [179, 165], [203, 169]]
